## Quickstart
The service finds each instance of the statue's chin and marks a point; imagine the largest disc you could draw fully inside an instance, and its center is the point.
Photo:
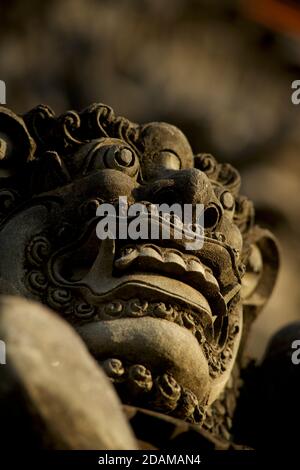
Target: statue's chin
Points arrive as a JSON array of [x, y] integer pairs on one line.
[[151, 338], [160, 345]]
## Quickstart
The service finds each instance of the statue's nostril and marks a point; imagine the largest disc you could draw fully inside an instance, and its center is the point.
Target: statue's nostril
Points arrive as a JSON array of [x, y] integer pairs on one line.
[[211, 217]]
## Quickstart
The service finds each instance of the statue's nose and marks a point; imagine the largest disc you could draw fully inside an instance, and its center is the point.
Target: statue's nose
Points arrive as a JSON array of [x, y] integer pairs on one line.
[[190, 186]]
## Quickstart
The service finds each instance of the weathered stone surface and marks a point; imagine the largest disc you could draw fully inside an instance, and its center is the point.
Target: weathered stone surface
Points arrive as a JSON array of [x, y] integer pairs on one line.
[[53, 394], [165, 320]]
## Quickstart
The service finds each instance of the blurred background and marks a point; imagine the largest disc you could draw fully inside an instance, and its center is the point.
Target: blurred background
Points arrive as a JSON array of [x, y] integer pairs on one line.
[[221, 70]]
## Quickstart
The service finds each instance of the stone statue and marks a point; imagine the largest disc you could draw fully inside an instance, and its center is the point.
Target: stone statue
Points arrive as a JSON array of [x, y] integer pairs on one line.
[[167, 325]]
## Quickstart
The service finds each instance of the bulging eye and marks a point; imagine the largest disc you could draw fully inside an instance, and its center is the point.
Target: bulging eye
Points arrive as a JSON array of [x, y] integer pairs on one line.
[[121, 158], [115, 157], [227, 200], [169, 160]]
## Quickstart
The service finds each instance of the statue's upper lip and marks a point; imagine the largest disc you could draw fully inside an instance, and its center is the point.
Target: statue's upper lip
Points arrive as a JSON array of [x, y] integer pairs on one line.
[[153, 273], [211, 271], [169, 262]]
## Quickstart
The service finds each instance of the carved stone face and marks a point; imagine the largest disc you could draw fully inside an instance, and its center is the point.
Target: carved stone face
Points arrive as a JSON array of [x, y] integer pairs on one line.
[[164, 322]]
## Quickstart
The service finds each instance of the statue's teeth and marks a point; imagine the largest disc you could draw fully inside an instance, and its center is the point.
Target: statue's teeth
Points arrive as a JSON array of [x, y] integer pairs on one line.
[[151, 252], [210, 277], [195, 265], [149, 257], [174, 257]]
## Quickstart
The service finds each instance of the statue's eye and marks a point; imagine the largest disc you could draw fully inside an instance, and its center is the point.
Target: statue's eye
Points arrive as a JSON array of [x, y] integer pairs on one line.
[[227, 200], [115, 157], [120, 158], [168, 159]]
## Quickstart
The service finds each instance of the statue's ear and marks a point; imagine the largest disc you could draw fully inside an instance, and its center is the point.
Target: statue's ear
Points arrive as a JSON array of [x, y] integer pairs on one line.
[[261, 272]]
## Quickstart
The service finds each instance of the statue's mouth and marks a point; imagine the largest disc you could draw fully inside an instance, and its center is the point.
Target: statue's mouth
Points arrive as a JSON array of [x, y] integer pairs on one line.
[[203, 282], [153, 304], [171, 263]]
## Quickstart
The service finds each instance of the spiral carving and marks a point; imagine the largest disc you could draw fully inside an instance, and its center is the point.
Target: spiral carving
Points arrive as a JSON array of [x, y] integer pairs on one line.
[[38, 250]]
